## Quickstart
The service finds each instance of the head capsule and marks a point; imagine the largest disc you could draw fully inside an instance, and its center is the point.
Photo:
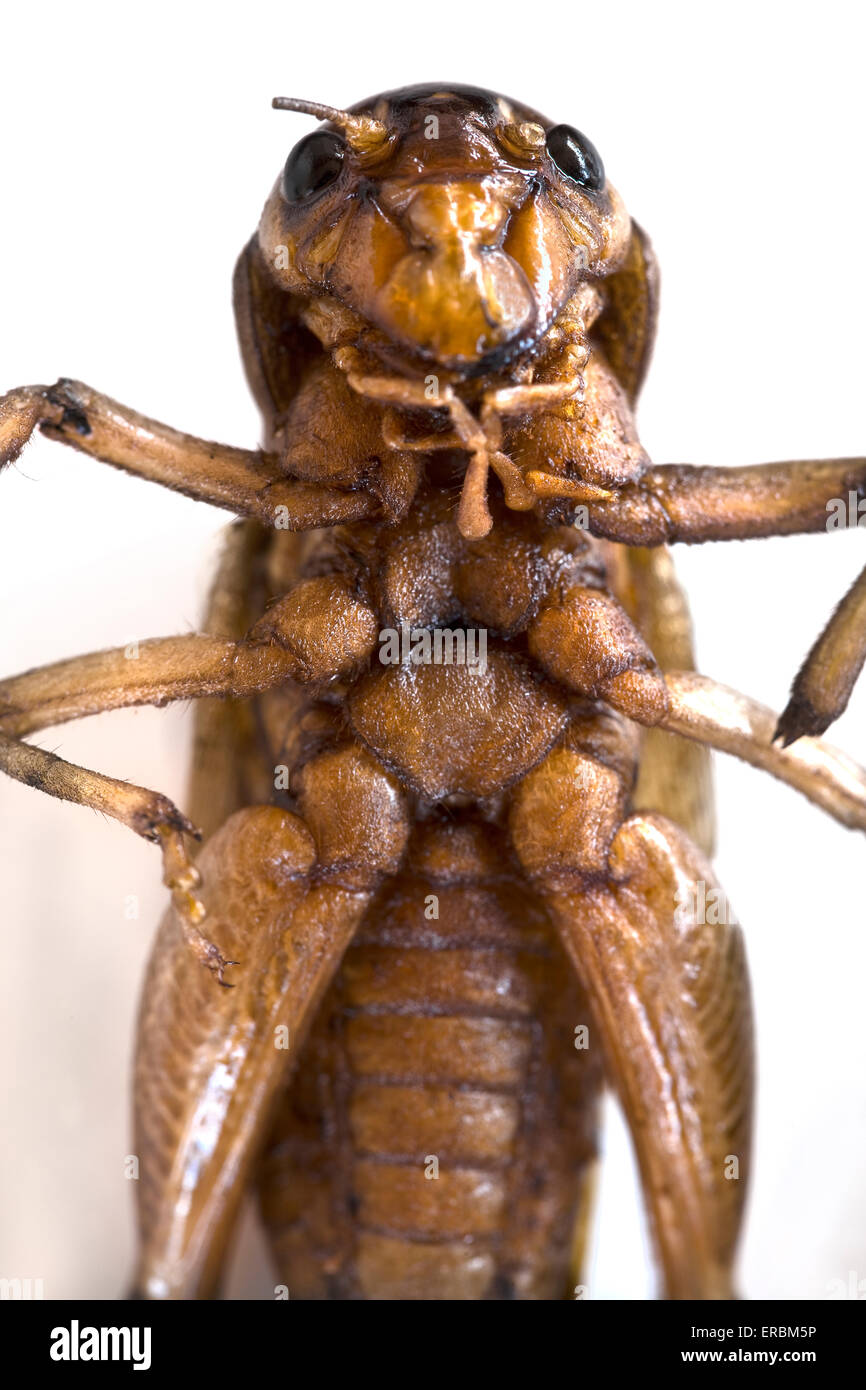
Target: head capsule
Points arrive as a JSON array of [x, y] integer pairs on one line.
[[453, 222]]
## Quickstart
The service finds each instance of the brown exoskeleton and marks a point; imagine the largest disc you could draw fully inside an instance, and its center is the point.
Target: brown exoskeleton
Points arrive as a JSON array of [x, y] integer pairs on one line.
[[425, 879]]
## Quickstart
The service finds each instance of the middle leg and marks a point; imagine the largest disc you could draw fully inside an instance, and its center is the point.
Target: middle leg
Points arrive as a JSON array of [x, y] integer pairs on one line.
[[584, 639], [317, 630]]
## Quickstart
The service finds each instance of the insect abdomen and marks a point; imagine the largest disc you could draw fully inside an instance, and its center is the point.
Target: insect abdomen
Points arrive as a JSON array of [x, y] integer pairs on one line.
[[437, 1137]]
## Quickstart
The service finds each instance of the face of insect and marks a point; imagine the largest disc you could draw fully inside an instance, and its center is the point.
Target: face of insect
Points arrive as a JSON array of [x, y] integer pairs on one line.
[[454, 222]]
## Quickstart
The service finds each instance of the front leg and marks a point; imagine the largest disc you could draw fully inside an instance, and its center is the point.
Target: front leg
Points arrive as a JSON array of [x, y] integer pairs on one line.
[[245, 481], [681, 502]]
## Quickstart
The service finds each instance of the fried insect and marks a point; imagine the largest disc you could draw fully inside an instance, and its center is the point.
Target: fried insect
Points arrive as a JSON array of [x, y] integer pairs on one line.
[[423, 882]]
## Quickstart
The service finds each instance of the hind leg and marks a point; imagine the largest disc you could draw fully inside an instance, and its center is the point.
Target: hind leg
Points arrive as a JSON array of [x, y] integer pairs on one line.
[[284, 895], [649, 935]]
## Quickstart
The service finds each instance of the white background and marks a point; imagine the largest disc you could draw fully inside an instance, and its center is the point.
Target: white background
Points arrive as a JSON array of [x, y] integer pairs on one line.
[[138, 148]]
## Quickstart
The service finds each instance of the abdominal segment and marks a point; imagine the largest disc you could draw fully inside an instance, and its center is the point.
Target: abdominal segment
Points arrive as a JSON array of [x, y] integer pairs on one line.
[[438, 1136]]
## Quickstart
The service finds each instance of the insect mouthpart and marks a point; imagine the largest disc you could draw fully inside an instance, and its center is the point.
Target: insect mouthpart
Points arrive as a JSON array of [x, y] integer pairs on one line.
[[448, 235], [456, 294], [480, 434]]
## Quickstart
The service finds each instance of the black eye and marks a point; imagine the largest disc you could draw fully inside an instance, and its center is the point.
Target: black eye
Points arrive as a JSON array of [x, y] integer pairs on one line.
[[314, 163], [576, 157]]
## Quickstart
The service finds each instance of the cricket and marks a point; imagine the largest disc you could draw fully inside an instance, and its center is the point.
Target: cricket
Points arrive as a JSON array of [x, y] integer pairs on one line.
[[443, 872]]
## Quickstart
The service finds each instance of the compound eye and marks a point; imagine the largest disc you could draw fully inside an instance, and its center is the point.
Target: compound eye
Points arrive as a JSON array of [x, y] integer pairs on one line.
[[314, 164], [576, 157]]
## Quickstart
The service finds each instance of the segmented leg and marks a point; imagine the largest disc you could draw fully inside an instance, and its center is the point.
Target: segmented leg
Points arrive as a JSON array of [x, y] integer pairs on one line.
[[156, 672], [316, 630], [680, 502], [722, 718], [148, 813], [481, 437], [669, 992], [823, 684], [245, 481], [585, 639], [167, 669], [285, 895]]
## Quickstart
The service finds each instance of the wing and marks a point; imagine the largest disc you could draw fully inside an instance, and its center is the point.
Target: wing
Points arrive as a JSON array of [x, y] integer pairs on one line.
[[227, 769], [675, 774]]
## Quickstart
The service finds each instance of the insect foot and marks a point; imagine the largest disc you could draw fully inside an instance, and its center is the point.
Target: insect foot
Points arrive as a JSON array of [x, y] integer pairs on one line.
[[216, 962], [60, 410], [181, 876], [20, 412]]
